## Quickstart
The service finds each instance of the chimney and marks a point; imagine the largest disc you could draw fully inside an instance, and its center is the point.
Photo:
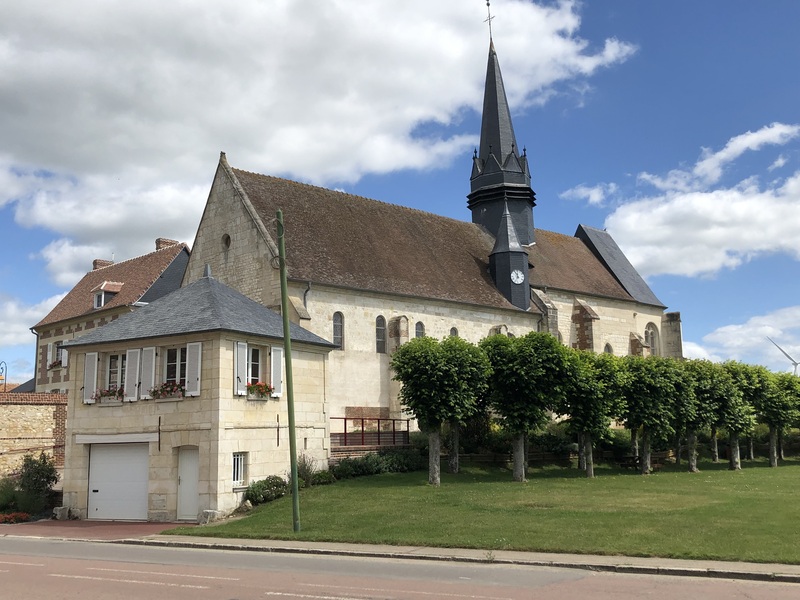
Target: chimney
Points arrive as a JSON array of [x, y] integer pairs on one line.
[[162, 243], [99, 263]]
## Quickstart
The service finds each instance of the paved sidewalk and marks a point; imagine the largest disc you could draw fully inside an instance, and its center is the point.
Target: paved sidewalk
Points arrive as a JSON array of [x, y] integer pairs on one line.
[[150, 534]]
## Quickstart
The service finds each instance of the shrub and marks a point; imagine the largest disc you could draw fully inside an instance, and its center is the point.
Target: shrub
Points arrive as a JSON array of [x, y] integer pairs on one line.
[[403, 460], [344, 469], [37, 475], [266, 490], [306, 469], [555, 438], [15, 517], [31, 502], [323, 478], [8, 493]]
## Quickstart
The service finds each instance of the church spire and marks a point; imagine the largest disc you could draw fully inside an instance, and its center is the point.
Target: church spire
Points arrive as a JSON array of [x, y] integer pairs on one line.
[[500, 174]]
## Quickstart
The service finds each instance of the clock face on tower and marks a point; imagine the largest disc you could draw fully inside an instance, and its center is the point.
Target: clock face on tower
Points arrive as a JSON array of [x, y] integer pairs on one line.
[[517, 276]]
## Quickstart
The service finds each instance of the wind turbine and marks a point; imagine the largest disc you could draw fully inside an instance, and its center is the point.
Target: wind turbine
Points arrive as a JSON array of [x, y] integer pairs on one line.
[[786, 354]]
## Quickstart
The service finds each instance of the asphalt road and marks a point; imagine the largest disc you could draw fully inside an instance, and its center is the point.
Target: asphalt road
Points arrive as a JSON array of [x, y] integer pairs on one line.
[[37, 569]]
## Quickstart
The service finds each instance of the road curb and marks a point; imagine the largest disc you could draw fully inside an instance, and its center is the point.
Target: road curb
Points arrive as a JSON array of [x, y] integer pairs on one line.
[[610, 567]]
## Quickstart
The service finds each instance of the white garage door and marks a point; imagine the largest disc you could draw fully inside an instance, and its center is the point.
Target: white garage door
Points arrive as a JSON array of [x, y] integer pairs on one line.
[[118, 481]]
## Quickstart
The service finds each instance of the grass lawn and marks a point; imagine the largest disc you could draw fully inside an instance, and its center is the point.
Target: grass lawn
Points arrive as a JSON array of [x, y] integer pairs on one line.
[[752, 515]]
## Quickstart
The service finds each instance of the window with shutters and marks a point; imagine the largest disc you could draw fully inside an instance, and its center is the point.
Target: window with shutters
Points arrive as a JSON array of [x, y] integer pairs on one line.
[[175, 365], [115, 373]]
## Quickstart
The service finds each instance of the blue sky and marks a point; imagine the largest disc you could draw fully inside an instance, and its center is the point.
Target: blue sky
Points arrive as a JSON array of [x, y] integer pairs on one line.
[[673, 125]]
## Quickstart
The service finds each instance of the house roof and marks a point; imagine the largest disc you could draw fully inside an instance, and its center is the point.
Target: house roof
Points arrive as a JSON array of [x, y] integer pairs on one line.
[[130, 280], [345, 240], [205, 305], [341, 239]]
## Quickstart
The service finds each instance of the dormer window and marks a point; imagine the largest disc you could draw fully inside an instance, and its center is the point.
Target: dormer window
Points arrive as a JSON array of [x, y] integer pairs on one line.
[[104, 292], [102, 298]]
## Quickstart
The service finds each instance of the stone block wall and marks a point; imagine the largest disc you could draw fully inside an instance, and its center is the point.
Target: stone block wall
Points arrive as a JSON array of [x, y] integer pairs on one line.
[[30, 424]]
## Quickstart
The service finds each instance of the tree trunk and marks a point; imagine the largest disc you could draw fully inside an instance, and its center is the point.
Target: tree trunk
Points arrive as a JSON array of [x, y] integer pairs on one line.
[[581, 451], [677, 444], [780, 444], [734, 459], [773, 446], [434, 455], [714, 446], [527, 449], [691, 449], [645, 457], [751, 448], [587, 454], [455, 447], [634, 441], [519, 457]]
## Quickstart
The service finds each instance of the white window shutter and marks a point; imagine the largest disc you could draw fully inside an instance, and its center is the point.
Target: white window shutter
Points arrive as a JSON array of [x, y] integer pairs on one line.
[[276, 371], [49, 354], [131, 383], [64, 357], [148, 372], [194, 352], [240, 369], [89, 377]]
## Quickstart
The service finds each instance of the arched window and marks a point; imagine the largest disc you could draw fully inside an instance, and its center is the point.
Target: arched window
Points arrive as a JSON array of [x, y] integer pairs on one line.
[[420, 329], [651, 339], [608, 349], [380, 335], [338, 330], [453, 332]]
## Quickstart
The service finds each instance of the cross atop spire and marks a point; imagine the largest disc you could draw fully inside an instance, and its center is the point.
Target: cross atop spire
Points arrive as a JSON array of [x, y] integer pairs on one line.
[[489, 18]]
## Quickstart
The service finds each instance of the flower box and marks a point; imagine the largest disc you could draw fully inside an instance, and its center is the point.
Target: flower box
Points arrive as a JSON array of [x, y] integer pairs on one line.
[[259, 391], [170, 389]]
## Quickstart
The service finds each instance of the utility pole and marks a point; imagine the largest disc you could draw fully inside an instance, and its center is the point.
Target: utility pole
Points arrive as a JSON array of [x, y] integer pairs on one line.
[[287, 354]]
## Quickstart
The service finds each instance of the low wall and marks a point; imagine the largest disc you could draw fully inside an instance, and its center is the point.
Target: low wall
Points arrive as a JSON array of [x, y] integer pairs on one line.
[[29, 424]]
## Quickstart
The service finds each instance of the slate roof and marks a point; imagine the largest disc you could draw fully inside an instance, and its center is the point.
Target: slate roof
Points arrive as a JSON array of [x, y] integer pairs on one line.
[[205, 305], [345, 240], [143, 278], [606, 250]]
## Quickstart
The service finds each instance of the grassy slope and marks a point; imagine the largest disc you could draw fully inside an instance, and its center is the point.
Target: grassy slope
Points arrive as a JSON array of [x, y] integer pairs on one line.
[[752, 515]]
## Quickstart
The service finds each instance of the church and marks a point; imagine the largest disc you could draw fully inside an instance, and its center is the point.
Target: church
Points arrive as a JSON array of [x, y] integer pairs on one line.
[[176, 400], [367, 275]]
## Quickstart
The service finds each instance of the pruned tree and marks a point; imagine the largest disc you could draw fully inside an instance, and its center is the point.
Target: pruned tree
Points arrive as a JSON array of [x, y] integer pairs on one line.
[[528, 381], [738, 413], [650, 386], [777, 407], [593, 397], [713, 386], [441, 382]]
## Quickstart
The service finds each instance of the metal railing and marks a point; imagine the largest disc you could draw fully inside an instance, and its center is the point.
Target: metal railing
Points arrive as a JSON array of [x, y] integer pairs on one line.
[[348, 431]]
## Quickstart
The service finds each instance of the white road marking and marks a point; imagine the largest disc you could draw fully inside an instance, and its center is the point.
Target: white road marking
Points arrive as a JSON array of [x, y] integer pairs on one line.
[[160, 573], [178, 585], [3, 562], [309, 597], [386, 590]]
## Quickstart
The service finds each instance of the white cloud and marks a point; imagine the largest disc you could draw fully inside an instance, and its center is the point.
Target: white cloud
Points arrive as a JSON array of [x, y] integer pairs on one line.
[[748, 341], [595, 195], [16, 319], [113, 113], [779, 162], [694, 228]]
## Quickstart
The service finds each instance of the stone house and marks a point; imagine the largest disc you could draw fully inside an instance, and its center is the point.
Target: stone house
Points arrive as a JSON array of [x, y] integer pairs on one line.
[[103, 294], [144, 452], [31, 423]]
